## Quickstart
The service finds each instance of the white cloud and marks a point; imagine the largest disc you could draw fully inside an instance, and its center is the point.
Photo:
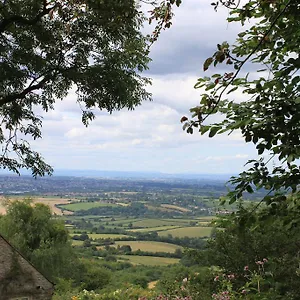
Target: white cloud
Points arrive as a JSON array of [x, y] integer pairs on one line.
[[151, 137]]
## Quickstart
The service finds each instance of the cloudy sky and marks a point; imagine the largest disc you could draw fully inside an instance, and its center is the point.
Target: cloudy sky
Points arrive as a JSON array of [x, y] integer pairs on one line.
[[151, 137]]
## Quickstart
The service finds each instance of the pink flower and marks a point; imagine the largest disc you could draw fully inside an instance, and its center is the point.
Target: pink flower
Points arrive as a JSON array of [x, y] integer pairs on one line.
[[216, 278], [244, 292], [246, 268], [265, 260]]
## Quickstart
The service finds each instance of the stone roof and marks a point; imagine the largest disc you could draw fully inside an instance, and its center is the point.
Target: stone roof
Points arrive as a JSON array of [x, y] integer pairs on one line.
[[19, 278]]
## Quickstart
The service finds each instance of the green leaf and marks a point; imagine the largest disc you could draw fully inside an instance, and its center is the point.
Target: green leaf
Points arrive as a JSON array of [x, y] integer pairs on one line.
[[232, 90], [213, 131], [249, 189], [207, 63]]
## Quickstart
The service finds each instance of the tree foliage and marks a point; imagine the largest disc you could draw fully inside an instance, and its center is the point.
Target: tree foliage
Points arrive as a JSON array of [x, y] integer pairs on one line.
[[43, 240], [266, 235], [48, 48], [268, 115]]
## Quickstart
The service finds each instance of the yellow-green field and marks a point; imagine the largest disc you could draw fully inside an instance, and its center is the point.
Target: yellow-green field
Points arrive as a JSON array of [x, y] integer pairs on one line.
[[203, 223], [85, 205], [149, 229], [197, 232], [50, 201], [148, 260], [103, 235], [157, 222], [175, 207], [106, 235], [77, 243], [149, 246], [206, 218]]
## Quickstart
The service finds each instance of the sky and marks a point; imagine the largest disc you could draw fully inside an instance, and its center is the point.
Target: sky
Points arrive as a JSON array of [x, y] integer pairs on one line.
[[151, 138]]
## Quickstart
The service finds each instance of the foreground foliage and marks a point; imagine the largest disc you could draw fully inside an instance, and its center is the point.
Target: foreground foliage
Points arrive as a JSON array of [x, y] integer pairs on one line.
[[48, 48], [43, 240], [263, 242], [268, 113]]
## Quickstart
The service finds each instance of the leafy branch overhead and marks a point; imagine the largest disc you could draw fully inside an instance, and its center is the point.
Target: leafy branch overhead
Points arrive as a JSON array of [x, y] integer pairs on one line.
[[48, 47], [268, 115]]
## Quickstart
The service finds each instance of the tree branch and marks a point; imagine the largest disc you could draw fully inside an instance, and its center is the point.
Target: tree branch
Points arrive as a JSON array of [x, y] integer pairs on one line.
[[23, 21], [21, 95], [245, 60]]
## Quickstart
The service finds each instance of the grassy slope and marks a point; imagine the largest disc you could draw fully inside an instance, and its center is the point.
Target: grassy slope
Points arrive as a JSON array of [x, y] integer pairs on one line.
[[187, 231], [149, 260], [149, 246], [85, 205]]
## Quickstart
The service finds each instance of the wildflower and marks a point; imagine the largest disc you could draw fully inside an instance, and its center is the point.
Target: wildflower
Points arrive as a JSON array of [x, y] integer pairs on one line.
[[244, 292], [231, 276], [246, 268], [216, 278], [259, 263], [265, 260], [184, 279]]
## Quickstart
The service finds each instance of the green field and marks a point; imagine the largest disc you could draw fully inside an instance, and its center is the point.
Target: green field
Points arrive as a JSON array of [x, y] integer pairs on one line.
[[158, 222], [149, 229], [197, 232], [148, 260], [149, 246], [203, 224], [175, 207], [206, 218], [106, 235], [77, 243], [85, 205], [103, 235]]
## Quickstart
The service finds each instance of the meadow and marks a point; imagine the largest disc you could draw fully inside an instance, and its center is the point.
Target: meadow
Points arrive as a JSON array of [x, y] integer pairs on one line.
[[149, 246], [192, 232], [148, 260], [175, 207], [95, 236], [151, 229], [144, 223], [51, 201], [85, 205]]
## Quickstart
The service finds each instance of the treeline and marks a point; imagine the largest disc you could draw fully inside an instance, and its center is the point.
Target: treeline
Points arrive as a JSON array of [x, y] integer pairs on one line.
[[135, 209], [110, 252], [188, 242]]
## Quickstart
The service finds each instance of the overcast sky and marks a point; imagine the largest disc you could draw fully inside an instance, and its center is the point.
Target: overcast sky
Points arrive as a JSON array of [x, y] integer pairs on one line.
[[151, 137]]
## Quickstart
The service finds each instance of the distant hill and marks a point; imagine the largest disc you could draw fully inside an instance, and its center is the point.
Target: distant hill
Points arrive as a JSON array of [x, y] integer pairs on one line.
[[129, 174]]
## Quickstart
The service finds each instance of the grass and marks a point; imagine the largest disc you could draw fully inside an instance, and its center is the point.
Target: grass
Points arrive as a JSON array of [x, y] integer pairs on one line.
[[51, 201], [175, 207], [85, 205], [149, 260], [149, 229], [106, 235], [203, 223], [154, 223], [197, 232], [77, 243], [103, 235], [149, 246], [206, 218]]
